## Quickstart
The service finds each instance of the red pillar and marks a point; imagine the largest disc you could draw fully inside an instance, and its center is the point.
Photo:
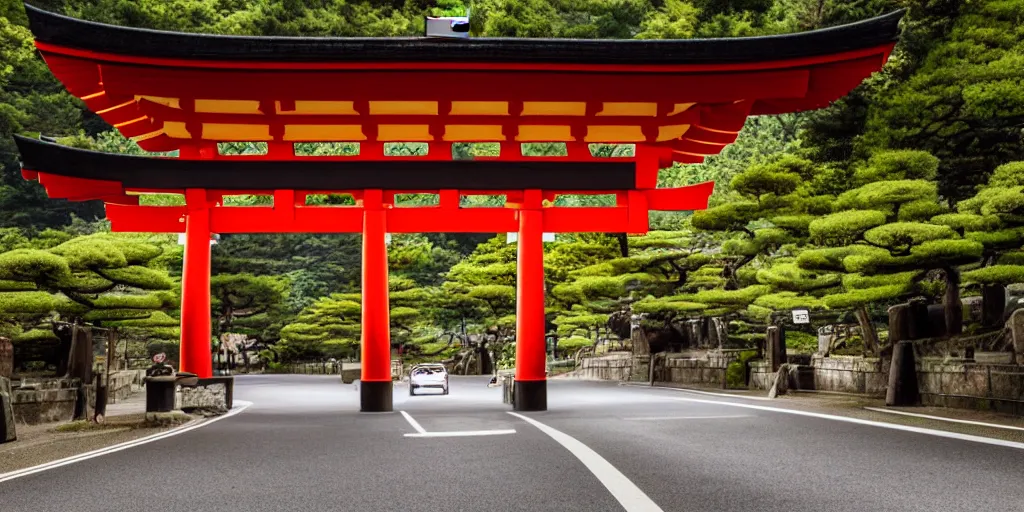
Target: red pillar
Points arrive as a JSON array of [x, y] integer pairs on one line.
[[195, 288], [375, 386], [531, 361]]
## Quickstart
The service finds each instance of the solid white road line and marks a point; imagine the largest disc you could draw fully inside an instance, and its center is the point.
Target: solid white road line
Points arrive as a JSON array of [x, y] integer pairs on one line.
[[893, 426], [463, 433], [240, 406], [953, 420], [625, 491], [686, 390], [414, 423], [657, 418]]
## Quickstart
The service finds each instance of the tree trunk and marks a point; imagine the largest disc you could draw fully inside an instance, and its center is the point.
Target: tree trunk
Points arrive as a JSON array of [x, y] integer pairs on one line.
[[867, 330], [993, 305], [623, 244], [775, 347], [902, 389], [951, 300]]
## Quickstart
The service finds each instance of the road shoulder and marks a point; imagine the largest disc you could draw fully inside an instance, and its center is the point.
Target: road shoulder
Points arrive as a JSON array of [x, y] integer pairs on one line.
[[41, 444]]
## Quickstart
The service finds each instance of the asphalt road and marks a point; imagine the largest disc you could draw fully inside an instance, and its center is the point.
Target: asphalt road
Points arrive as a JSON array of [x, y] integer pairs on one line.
[[302, 446]]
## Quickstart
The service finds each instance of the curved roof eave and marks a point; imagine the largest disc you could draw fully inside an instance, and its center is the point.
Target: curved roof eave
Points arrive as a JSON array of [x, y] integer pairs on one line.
[[55, 29]]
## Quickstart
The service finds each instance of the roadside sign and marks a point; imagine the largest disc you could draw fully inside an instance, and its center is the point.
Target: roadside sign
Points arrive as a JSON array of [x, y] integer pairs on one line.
[[159, 358], [801, 316]]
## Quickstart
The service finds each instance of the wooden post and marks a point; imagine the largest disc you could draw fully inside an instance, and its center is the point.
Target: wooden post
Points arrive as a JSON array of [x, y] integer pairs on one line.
[[902, 389]]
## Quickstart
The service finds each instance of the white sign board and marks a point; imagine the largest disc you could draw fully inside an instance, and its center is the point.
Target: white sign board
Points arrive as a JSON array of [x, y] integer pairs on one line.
[[801, 316]]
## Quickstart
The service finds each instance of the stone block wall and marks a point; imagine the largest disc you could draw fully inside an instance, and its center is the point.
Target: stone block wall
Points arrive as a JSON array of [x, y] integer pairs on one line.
[[801, 376], [45, 400], [708, 371], [125, 383], [866, 376], [761, 375], [997, 387], [704, 368], [211, 395], [610, 367]]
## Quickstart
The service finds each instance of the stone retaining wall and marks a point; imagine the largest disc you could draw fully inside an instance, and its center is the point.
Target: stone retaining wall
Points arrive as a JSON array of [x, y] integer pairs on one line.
[[609, 367], [707, 368], [707, 371], [126, 383], [38, 401], [944, 383], [998, 387], [45, 400], [866, 376]]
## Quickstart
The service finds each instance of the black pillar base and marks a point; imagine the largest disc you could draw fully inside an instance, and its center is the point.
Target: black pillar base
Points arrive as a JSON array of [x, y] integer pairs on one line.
[[531, 395], [160, 394], [375, 396]]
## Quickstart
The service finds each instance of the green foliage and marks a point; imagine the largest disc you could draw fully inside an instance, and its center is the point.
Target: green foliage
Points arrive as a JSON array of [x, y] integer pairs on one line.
[[736, 371], [798, 342], [996, 274], [844, 227], [966, 221], [788, 300], [667, 305], [900, 236], [1008, 175], [860, 297], [888, 194], [569, 346], [963, 102], [899, 165]]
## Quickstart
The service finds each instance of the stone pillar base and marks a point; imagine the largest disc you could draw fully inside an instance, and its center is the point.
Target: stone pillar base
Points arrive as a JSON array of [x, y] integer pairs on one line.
[[531, 395], [376, 396]]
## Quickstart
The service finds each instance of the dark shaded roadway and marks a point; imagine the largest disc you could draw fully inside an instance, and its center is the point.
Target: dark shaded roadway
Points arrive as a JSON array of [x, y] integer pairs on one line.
[[302, 446]]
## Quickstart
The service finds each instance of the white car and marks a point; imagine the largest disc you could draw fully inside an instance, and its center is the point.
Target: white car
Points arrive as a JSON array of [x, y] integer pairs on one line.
[[430, 375]]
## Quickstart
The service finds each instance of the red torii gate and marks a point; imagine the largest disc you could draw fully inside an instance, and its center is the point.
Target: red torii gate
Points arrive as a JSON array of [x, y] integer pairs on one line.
[[677, 101]]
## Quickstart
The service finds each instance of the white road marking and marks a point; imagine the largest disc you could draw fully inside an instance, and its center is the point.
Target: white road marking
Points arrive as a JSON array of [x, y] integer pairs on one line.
[[686, 390], [414, 423], [240, 406], [422, 432], [463, 433], [968, 422], [893, 426], [657, 418], [625, 491]]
